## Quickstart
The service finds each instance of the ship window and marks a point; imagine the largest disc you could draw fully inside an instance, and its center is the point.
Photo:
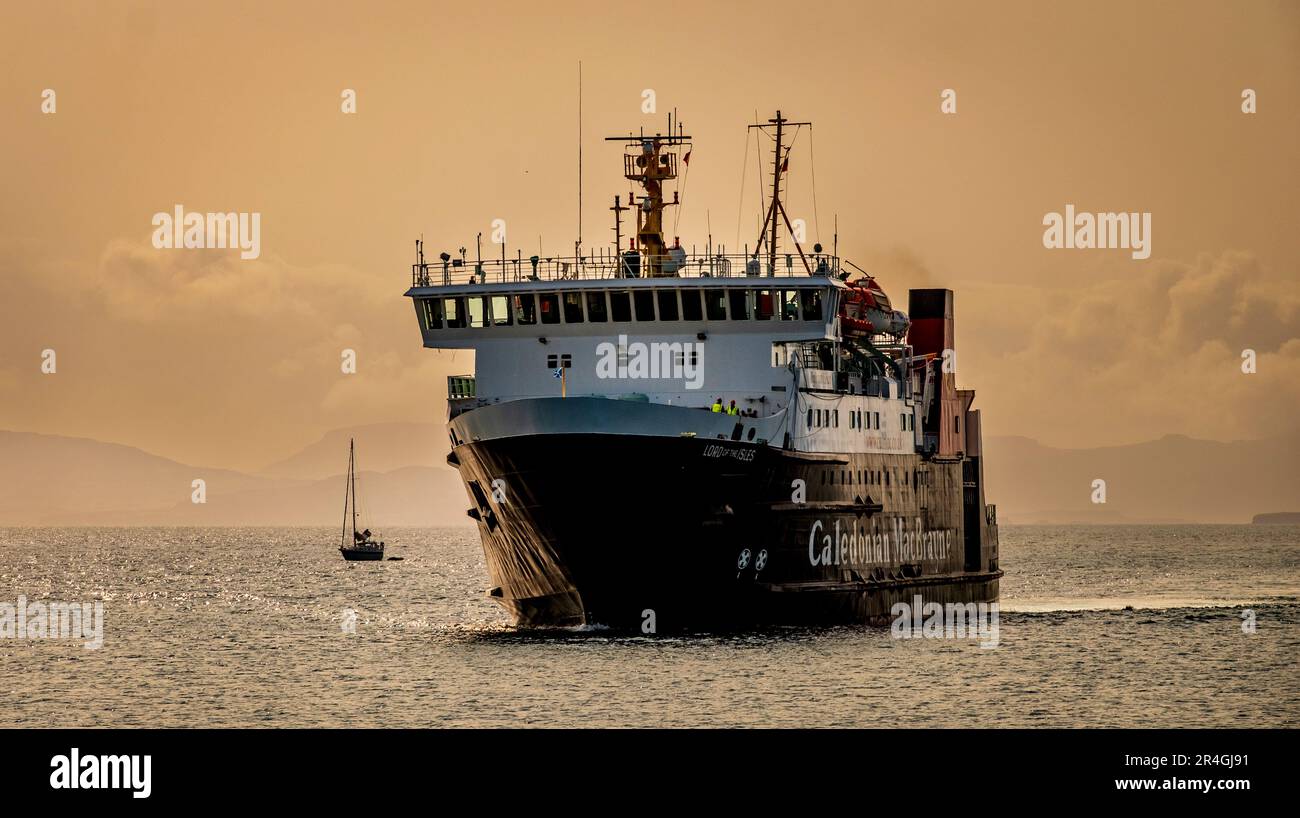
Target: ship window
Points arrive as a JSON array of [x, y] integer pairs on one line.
[[557, 361], [956, 424], [763, 306], [620, 305], [572, 308], [812, 305], [501, 311], [836, 415], [789, 300], [432, 311], [596, 310], [667, 305], [809, 418], [550, 304], [644, 301], [525, 308], [715, 305], [886, 477], [876, 415], [477, 311], [691, 309], [454, 309], [739, 304]]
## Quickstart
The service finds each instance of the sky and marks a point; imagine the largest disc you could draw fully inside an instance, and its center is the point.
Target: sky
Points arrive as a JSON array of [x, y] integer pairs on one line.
[[467, 112]]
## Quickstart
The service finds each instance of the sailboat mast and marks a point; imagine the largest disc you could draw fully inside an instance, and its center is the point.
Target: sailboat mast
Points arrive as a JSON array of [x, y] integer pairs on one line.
[[347, 491], [352, 473]]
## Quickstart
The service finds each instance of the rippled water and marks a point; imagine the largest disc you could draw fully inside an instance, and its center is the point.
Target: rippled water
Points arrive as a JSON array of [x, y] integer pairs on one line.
[[224, 627]]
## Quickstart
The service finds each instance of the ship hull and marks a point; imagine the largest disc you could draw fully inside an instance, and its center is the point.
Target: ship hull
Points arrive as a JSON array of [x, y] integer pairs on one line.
[[691, 532]]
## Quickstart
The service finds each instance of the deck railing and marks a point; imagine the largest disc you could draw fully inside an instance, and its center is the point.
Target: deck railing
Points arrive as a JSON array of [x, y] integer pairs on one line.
[[455, 271]]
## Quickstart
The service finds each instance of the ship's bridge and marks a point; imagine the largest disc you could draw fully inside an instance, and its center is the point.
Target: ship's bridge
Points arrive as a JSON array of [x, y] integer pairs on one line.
[[710, 330]]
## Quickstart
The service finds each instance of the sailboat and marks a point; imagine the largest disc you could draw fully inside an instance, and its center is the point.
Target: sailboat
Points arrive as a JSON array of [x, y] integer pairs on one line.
[[363, 545]]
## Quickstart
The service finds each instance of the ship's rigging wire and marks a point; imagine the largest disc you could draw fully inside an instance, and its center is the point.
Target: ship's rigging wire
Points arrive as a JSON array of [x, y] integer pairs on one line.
[[758, 151], [681, 196], [812, 164], [740, 208]]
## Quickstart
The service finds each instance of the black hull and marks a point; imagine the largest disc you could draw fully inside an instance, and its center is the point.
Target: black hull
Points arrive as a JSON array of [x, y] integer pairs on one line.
[[684, 533], [352, 555]]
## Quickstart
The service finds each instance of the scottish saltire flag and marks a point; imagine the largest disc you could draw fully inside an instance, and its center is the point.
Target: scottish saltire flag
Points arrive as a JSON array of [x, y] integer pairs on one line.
[[559, 373]]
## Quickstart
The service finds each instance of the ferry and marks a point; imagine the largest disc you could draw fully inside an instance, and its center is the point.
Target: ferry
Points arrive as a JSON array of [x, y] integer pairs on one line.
[[658, 439]]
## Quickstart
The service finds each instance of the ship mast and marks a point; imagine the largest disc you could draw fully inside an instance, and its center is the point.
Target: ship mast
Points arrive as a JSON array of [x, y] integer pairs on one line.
[[651, 161], [779, 165]]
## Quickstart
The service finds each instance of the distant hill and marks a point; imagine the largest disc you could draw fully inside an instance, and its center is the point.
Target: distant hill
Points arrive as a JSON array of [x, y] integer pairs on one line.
[[1278, 518], [414, 496], [381, 447], [52, 480], [1173, 479]]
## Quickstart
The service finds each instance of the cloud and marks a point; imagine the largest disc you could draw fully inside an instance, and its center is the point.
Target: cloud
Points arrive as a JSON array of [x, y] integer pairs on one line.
[[1121, 359], [138, 282]]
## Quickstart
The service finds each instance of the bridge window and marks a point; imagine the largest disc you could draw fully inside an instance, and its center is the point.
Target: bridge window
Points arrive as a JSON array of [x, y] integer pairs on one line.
[[691, 309], [431, 310], [789, 301], [620, 305], [764, 304], [477, 311], [572, 308], [740, 300], [550, 307], [454, 309], [501, 311], [812, 305], [596, 310], [715, 305], [525, 308], [667, 305], [644, 302]]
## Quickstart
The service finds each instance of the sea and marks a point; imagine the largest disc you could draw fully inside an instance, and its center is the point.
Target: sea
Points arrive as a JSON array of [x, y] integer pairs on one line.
[[1099, 626]]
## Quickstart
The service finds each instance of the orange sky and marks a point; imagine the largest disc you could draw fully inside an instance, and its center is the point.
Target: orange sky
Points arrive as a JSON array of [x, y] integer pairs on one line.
[[467, 112]]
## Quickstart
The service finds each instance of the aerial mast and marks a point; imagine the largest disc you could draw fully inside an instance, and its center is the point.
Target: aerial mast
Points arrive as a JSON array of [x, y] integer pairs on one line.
[[768, 232]]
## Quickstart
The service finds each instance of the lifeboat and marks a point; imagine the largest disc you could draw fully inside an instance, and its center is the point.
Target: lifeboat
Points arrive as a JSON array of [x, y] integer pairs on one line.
[[865, 311]]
